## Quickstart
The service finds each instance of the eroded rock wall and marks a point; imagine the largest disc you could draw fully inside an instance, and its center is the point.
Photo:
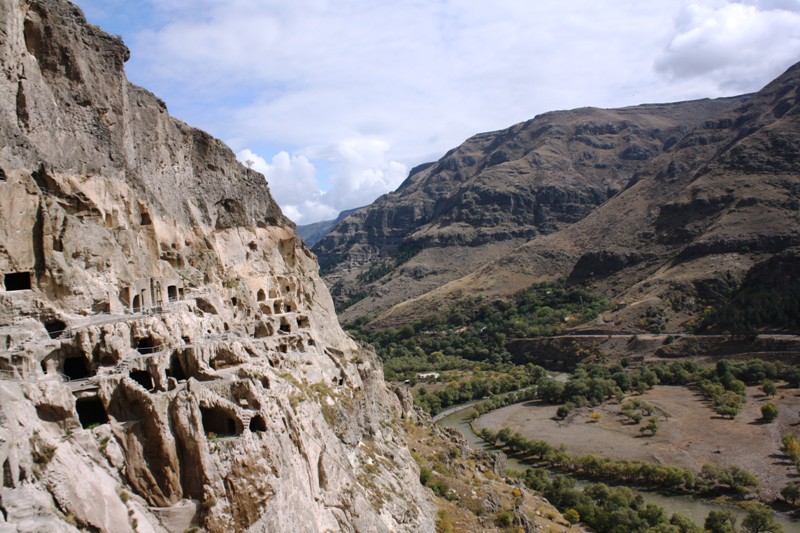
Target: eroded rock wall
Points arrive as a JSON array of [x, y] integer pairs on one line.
[[170, 356]]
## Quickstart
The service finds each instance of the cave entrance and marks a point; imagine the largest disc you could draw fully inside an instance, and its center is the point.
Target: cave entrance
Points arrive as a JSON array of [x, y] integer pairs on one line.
[[218, 421], [257, 424], [137, 304], [175, 369], [55, 328], [147, 346], [17, 281], [172, 293], [261, 296], [76, 368], [143, 378], [91, 412]]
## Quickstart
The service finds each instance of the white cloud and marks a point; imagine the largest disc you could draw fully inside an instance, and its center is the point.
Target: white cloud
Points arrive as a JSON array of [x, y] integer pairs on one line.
[[359, 91], [293, 183], [738, 45], [360, 173]]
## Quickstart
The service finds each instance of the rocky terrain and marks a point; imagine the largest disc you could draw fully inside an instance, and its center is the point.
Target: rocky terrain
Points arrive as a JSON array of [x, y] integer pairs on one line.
[[493, 193], [680, 237], [170, 357]]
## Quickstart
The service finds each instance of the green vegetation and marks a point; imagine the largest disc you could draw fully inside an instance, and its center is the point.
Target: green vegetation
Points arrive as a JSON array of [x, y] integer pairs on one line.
[[479, 385], [759, 520], [710, 480], [791, 492], [769, 412], [764, 302], [720, 522], [473, 331], [604, 509]]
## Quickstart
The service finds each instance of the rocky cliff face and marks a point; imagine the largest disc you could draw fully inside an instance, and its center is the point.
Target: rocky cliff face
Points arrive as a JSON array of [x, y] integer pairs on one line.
[[170, 356], [700, 223], [493, 193]]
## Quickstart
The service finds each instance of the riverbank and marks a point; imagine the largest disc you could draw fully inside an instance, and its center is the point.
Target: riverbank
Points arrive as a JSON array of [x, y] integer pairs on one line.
[[690, 434], [695, 509]]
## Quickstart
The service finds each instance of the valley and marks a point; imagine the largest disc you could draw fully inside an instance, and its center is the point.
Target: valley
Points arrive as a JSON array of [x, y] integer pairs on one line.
[[651, 253]]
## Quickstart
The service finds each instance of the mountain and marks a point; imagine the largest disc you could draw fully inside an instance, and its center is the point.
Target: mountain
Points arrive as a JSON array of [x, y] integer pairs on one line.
[[492, 194], [311, 233], [171, 359], [703, 236]]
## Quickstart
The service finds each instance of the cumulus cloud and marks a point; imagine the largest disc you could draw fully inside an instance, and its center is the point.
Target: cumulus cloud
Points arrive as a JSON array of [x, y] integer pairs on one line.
[[360, 173], [736, 45], [293, 183], [349, 94]]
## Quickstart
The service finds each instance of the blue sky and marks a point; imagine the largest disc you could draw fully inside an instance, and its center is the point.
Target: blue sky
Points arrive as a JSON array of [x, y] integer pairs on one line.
[[335, 100]]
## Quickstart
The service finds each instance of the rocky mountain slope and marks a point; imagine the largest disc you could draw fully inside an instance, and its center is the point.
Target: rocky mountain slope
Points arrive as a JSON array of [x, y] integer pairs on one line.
[[679, 248], [311, 233], [170, 357], [492, 194]]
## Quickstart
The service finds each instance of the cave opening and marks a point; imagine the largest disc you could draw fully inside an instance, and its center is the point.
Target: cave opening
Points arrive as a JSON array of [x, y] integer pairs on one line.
[[147, 345], [175, 369], [55, 328], [76, 368], [285, 326], [8, 478], [143, 378], [276, 307], [218, 421], [261, 296], [91, 412], [137, 304], [172, 293], [17, 281], [257, 423]]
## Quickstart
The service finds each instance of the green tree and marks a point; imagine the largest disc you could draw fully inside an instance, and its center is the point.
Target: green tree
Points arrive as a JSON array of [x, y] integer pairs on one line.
[[769, 388], [563, 411], [791, 492], [720, 522], [652, 427], [572, 516], [760, 520], [684, 524], [728, 404], [769, 412]]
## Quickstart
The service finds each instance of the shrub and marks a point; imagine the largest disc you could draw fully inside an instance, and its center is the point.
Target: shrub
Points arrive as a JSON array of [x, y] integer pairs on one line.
[[791, 492], [769, 412], [505, 518], [425, 474], [572, 516]]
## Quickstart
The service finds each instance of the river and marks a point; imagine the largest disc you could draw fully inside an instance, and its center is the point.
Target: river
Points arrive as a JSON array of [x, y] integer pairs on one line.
[[696, 510]]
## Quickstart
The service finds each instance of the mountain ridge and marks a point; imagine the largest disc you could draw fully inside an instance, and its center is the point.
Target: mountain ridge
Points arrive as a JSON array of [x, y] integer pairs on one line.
[[496, 191], [686, 230]]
